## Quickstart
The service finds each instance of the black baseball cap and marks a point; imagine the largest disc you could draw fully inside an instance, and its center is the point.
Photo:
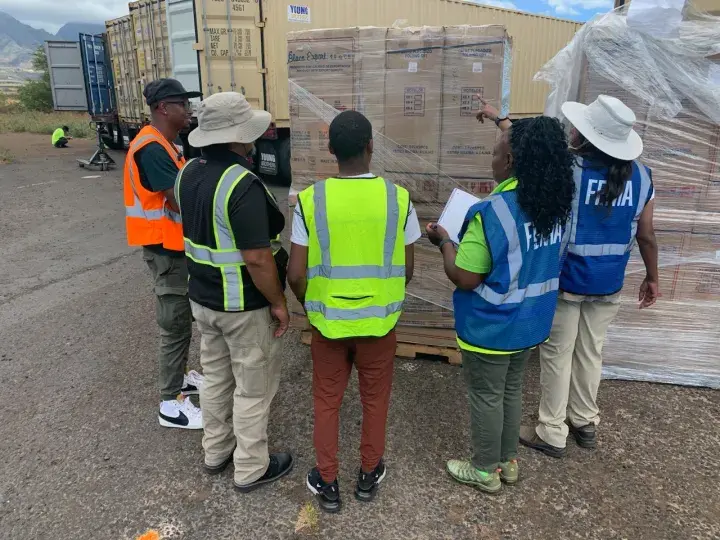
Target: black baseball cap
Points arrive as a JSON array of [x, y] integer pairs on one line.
[[162, 89]]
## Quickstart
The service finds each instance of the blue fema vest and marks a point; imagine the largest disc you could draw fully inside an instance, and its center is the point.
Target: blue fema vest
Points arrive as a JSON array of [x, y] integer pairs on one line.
[[513, 308], [602, 238]]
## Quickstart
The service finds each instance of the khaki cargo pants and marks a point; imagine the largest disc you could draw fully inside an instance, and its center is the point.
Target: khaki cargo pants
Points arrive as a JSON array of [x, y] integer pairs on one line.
[[571, 365], [172, 311], [241, 361]]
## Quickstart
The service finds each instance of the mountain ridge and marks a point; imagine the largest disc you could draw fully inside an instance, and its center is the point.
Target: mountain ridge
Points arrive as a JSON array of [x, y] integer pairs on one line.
[[18, 41]]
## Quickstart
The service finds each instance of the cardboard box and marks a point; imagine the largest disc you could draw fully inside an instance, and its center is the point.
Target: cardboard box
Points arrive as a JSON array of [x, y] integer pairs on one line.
[[341, 68], [699, 278], [473, 65], [413, 99], [671, 246], [593, 84]]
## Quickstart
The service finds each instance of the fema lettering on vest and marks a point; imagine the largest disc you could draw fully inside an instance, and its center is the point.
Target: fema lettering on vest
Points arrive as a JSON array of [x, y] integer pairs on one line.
[[595, 188], [536, 241]]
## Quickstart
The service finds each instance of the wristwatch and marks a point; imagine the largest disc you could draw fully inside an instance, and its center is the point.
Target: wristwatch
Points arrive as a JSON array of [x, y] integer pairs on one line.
[[498, 120], [443, 242]]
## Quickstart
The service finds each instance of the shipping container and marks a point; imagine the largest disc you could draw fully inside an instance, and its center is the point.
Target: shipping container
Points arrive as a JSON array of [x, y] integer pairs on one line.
[[128, 85], [97, 75], [242, 46], [66, 75]]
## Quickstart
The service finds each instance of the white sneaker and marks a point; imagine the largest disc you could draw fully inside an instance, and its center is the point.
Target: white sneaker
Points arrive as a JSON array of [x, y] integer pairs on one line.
[[180, 413], [192, 383]]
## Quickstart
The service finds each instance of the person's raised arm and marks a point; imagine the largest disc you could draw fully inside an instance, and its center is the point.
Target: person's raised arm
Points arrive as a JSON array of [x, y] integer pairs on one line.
[[463, 279], [492, 114], [649, 289]]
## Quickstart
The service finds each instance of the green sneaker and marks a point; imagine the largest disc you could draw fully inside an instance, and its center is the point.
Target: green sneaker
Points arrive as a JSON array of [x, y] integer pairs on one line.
[[509, 472], [465, 473]]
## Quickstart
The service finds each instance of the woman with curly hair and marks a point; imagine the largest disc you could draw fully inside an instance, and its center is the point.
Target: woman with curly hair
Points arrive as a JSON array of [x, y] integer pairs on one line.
[[506, 271]]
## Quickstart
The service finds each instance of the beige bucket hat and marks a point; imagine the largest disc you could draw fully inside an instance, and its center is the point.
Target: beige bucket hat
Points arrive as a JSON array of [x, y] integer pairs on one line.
[[608, 124], [227, 117]]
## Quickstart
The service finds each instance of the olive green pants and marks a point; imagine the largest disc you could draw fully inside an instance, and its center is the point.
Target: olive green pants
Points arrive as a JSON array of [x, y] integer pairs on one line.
[[494, 383], [172, 311]]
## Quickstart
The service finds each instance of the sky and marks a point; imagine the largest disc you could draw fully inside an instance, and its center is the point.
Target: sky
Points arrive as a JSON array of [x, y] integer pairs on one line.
[[52, 14]]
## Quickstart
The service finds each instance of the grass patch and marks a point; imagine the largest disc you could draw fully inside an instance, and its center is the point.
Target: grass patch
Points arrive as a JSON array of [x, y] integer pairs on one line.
[[5, 156], [22, 121]]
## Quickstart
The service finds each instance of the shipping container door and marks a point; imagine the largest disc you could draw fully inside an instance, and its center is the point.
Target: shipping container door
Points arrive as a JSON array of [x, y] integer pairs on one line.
[[66, 75], [151, 39], [121, 40], [182, 36], [230, 41], [98, 75]]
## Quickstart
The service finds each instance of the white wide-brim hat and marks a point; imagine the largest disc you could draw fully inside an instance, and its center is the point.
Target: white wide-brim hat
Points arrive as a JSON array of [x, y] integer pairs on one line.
[[607, 123], [226, 118]]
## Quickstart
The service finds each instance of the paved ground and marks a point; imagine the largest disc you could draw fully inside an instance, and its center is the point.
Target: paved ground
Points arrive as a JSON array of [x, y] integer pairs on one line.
[[82, 455]]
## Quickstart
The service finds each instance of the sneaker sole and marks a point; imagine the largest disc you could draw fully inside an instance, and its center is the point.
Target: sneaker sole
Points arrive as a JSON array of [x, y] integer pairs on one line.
[[260, 483], [509, 481], [165, 423], [323, 507], [477, 485], [368, 495]]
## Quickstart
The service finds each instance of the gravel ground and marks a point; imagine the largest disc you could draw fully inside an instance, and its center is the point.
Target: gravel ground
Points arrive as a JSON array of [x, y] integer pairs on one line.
[[82, 455]]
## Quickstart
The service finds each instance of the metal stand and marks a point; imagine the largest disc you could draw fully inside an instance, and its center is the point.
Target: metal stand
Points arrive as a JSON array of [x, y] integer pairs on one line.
[[100, 158]]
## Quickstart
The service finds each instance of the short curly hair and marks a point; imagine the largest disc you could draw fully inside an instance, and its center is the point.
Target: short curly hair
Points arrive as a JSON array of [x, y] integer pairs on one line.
[[543, 166]]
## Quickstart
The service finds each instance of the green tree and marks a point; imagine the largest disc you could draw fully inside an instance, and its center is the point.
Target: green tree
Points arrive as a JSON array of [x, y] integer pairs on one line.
[[37, 95]]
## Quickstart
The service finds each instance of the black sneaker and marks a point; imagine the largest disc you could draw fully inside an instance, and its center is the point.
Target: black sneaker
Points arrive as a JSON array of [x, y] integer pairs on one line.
[[585, 436], [327, 495], [217, 469], [367, 484], [280, 465]]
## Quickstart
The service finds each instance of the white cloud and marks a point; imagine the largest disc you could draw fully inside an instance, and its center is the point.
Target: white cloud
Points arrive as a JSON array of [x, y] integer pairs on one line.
[[497, 3], [52, 14], [574, 7]]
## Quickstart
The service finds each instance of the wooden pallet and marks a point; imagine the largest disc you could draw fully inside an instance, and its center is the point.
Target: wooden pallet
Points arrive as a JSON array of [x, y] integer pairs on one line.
[[413, 350]]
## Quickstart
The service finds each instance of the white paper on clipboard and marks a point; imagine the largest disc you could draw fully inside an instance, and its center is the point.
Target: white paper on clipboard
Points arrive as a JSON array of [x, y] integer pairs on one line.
[[454, 212]]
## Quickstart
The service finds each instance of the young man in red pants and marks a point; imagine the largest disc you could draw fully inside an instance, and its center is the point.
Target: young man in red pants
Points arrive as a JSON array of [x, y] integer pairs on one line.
[[351, 257]]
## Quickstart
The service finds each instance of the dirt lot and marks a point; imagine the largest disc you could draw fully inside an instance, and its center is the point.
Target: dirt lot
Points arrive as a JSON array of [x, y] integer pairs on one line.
[[82, 455]]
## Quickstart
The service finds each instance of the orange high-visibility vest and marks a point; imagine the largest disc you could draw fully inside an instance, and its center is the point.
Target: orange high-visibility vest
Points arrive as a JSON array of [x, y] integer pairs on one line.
[[148, 217]]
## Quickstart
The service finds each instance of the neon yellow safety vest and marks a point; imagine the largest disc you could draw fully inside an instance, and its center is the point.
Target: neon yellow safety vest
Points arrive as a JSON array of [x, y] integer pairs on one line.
[[356, 255], [58, 134], [225, 256]]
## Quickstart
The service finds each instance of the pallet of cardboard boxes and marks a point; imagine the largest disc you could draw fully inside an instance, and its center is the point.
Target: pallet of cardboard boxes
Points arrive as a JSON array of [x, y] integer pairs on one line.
[[419, 88]]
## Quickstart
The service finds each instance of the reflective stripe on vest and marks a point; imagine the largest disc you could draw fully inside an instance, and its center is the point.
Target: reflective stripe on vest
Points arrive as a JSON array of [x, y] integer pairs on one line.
[[515, 295], [136, 210], [599, 250], [226, 257], [327, 270], [336, 314]]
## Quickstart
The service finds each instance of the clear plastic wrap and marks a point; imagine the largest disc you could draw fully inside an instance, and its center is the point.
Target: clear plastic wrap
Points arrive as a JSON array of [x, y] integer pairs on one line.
[[673, 86], [418, 87]]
